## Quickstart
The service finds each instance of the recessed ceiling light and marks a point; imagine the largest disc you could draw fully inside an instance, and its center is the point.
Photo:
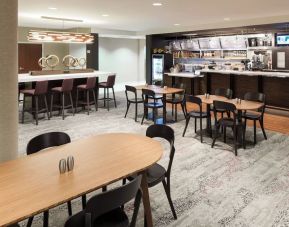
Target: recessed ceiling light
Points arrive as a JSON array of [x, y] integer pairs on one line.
[[177, 24], [157, 4], [105, 15], [52, 8], [227, 19]]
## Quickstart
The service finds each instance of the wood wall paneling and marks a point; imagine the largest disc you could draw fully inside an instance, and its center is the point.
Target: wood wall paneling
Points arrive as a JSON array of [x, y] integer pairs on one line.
[[243, 84]]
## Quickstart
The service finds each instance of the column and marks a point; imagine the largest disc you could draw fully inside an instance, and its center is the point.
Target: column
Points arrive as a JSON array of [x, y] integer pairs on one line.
[[8, 80]]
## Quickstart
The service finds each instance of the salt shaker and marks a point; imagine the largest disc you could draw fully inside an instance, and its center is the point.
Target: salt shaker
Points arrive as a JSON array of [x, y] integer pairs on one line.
[[62, 166], [70, 163]]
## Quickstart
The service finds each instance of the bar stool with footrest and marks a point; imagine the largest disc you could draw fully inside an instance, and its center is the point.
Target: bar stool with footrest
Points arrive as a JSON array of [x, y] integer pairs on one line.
[[109, 84], [65, 89], [134, 99], [86, 89], [40, 91]]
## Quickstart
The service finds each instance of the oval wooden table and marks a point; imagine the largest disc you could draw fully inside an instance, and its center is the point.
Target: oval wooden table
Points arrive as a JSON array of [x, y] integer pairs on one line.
[[33, 184]]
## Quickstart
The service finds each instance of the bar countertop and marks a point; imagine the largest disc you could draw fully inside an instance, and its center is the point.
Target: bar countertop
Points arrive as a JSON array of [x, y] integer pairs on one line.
[[25, 78]]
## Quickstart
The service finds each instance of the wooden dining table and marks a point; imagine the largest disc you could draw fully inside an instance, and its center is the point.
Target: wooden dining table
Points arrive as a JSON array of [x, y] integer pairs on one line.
[[164, 91], [33, 184], [245, 105]]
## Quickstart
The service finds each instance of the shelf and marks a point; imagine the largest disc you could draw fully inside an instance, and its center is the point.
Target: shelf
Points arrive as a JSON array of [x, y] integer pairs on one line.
[[260, 48]]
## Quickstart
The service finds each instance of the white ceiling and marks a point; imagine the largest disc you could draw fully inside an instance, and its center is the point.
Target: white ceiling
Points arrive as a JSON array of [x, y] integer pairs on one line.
[[140, 16]]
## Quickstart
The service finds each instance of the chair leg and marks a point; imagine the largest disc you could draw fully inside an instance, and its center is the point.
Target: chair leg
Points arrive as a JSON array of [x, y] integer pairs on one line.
[[114, 97], [143, 117], [135, 118], [176, 112], [201, 129], [172, 109], [69, 207], [168, 193], [62, 96], [95, 100], [244, 133], [23, 109], [262, 127], [187, 123], [87, 101], [36, 109], [107, 90], [51, 104], [30, 220], [235, 140], [216, 135], [83, 200], [255, 136], [45, 218], [76, 102], [225, 134], [195, 125], [183, 109], [71, 102], [104, 97], [127, 107]]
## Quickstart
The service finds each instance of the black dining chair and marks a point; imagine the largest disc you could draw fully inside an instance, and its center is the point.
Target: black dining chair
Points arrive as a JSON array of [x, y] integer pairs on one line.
[[157, 173], [106, 209], [131, 98], [231, 122], [40, 142], [224, 92], [255, 116], [148, 95], [198, 114], [177, 99]]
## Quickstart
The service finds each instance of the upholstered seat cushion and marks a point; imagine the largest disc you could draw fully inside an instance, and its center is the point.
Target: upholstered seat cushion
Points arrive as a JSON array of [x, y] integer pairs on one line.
[[28, 91], [197, 114], [82, 86], [154, 105], [252, 115], [138, 100], [115, 218], [103, 85], [57, 89], [174, 100]]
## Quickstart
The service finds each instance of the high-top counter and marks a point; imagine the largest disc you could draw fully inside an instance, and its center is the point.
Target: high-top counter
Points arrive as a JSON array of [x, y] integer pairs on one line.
[[26, 78], [275, 85]]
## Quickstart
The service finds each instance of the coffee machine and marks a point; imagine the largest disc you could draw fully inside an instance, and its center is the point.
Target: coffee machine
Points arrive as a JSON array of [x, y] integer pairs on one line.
[[260, 60]]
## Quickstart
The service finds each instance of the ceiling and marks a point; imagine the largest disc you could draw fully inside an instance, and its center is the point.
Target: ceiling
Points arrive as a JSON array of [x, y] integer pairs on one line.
[[143, 17]]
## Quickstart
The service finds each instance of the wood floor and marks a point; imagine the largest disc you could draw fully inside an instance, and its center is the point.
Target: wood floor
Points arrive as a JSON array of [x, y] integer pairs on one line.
[[272, 122]]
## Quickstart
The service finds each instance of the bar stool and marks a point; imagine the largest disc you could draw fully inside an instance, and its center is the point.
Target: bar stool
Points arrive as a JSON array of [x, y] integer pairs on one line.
[[65, 89], [40, 91], [107, 85], [87, 88]]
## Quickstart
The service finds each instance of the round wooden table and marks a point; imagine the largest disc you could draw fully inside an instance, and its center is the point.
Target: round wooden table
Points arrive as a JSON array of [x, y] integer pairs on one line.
[[33, 184]]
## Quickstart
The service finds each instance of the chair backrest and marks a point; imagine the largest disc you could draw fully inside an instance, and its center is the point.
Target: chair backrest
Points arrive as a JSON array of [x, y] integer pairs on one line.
[[194, 100], [41, 87], [105, 202], [110, 80], [67, 85], [130, 89], [90, 82], [225, 92], [146, 93], [167, 133], [256, 97], [228, 107], [47, 140]]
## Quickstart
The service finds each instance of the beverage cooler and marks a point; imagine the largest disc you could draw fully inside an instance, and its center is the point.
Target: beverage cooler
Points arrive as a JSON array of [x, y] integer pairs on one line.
[[161, 63]]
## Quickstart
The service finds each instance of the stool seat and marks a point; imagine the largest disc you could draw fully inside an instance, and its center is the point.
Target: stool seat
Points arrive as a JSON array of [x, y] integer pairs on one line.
[[28, 91], [104, 85], [82, 86], [57, 89]]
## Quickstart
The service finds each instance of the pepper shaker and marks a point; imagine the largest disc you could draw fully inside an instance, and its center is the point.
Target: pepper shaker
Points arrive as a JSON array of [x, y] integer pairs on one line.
[[70, 163], [62, 166]]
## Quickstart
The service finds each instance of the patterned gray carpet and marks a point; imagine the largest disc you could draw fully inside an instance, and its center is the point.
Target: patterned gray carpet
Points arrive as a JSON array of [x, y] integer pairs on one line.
[[210, 187]]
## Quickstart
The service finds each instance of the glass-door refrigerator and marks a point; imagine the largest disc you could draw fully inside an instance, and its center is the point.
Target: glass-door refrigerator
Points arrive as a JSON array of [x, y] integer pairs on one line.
[[161, 63]]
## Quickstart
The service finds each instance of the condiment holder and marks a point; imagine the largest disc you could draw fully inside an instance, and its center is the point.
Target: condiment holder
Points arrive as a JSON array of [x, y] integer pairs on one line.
[[207, 95], [66, 164], [165, 87]]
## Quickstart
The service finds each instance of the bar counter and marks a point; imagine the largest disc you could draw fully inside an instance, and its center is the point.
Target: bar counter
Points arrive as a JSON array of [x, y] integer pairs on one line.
[[275, 85]]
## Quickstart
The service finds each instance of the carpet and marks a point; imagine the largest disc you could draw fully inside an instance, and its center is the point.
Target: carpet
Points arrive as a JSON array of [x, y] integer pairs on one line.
[[210, 187]]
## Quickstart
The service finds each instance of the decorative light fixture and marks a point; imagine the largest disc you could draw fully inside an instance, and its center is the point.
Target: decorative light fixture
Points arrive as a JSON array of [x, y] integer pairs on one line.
[[59, 37], [157, 4]]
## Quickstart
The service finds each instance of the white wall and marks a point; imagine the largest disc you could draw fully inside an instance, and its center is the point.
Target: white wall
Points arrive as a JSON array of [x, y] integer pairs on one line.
[[125, 57]]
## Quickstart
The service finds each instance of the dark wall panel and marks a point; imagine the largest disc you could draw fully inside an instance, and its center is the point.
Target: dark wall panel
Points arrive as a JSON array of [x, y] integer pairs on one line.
[[243, 84], [92, 53]]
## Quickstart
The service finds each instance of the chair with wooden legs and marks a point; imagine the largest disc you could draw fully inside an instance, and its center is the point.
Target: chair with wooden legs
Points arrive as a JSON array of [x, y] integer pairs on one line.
[[198, 114], [65, 89], [148, 95], [109, 84], [231, 122], [177, 99], [157, 173], [40, 91], [86, 89], [132, 99], [106, 209], [255, 116], [41, 142]]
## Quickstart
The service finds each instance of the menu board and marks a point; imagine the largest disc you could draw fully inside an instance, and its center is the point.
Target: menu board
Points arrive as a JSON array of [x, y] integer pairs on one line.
[[233, 42], [210, 43]]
